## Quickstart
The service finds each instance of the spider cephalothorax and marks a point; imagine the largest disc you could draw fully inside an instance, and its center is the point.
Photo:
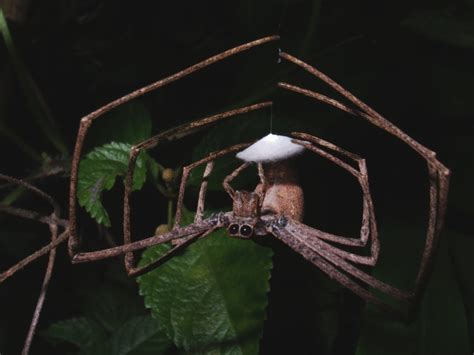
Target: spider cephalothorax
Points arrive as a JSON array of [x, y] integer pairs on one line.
[[245, 214]]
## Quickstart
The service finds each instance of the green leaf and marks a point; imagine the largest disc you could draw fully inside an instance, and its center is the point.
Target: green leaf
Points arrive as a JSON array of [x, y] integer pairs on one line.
[[97, 172], [129, 123], [212, 298], [111, 304], [82, 332], [139, 335]]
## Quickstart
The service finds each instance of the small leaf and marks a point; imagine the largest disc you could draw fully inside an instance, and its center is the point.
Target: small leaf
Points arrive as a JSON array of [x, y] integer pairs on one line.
[[82, 332], [97, 172], [212, 298]]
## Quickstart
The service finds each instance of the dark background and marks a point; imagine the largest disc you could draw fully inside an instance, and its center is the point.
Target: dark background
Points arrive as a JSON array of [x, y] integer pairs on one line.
[[410, 60]]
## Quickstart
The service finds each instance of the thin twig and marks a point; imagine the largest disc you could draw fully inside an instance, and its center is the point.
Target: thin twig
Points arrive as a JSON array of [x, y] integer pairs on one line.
[[42, 295]]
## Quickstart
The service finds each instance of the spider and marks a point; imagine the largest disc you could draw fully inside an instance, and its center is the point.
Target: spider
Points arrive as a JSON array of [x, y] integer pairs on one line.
[[275, 206]]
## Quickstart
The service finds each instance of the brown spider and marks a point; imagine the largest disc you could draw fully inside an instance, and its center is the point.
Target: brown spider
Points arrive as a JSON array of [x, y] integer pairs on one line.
[[259, 212]]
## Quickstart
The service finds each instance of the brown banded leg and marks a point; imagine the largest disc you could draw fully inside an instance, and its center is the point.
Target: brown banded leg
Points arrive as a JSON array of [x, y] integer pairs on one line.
[[53, 222], [167, 136], [369, 225], [263, 183], [228, 179], [438, 173], [331, 270], [327, 252], [87, 121], [217, 221], [209, 160], [261, 174], [186, 241], [181, 243]]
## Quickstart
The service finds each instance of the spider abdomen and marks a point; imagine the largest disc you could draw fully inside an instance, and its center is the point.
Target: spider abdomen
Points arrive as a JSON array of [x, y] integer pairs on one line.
[[284, 195]]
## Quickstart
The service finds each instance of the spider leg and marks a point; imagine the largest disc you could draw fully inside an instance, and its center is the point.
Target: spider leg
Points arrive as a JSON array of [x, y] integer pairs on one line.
[[369, 224], [315, 257], [313, 233], [203, 191], [130, 262], [327, 252], [438, 173], [169, 254], [52, 222], [87, 121], [232, 176], [215, 221], [170, 135], [263, 183]]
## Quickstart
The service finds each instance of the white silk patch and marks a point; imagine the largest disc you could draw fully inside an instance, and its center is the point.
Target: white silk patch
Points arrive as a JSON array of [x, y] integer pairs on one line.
[[270, 148]]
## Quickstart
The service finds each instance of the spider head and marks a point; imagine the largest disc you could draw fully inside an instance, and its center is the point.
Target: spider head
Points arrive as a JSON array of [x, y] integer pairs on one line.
[[246, 209], [246, 204], [242, 228]]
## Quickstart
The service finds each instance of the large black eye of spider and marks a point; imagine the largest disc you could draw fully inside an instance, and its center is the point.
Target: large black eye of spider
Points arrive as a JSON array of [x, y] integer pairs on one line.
[[233, 229], [246, 230]]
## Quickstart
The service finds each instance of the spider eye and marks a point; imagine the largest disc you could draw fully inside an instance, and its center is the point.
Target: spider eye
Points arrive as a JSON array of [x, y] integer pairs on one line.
[[246, 230], [233, 229]]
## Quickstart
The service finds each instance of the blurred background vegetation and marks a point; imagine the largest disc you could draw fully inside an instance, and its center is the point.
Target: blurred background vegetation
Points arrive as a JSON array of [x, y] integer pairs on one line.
[[410, 60]]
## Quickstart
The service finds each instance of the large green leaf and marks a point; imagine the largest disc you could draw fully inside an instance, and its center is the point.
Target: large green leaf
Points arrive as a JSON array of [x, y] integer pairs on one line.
[[139, 336], [97, 172], [82, 332], [212, 298]]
